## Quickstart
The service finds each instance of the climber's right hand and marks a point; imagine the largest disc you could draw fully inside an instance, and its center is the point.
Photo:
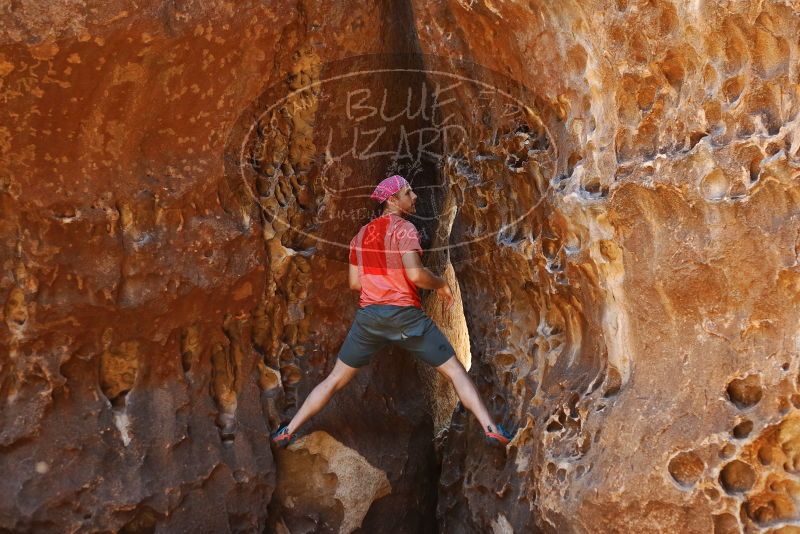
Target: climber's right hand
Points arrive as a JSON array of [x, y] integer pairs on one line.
[[446, 296]]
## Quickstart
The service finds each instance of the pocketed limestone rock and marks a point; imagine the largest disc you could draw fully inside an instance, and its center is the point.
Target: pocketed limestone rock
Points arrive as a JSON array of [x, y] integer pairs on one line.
[[625, 244], [647, 307]]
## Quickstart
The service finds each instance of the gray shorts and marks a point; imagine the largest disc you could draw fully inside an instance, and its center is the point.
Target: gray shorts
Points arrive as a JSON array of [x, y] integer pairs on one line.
[[408, 327]]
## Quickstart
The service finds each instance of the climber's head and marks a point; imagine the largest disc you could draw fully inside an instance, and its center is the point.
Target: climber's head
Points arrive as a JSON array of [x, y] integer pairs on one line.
[[395, 195]]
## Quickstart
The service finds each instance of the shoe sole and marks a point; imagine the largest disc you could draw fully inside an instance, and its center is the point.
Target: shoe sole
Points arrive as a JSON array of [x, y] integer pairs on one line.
[[283, 441], [497, 440]]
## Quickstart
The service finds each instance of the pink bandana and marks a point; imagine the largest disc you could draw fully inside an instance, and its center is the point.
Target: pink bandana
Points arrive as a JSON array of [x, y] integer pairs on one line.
[[388, 187]]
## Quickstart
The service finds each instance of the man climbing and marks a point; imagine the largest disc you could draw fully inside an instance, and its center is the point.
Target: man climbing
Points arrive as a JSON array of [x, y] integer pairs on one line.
[[385, 266]]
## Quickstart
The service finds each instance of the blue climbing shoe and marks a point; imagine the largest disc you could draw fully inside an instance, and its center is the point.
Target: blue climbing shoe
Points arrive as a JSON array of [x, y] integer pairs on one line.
[[281, 437]]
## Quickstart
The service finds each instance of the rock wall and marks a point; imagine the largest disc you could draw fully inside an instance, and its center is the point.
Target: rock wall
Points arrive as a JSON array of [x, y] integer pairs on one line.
[[174, 225], [157, 322], [642, 325]]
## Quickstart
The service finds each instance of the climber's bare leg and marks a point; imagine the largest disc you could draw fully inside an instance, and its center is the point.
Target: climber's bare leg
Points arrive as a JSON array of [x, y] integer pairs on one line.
[[320, 395], [466, 391]]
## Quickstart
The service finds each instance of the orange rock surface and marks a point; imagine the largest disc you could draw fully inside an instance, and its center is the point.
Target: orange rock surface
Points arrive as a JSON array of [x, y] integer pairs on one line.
[[612, 188]]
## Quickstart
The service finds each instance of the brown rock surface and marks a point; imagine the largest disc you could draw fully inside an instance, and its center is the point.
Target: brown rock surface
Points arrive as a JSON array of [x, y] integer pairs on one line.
[[177, 190], [155, 325], [651, 304]]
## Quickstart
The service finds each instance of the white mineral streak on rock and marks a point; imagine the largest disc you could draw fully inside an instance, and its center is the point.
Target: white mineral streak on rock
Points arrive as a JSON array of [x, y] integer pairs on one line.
[[501, 525], [123, 424]]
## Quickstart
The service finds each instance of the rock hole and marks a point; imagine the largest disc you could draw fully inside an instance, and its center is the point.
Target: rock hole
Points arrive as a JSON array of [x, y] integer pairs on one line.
[[743, 429], [514, 162], [223, 388], [745, 392], [727, 451], [674, 69], [738, 190], [736, 49], [696, 137], [769, 513], [190, 347], [550, 248], [144, 521], [562, 417], [573, 406], [576, 58], [766, 455], [573, 160], [505, 359], [773, 148], [561, 475], [262, 186], [594, 188], [686, 468], [16, 311], [726, 524], [737, 477], [554, 426], [226, 422]]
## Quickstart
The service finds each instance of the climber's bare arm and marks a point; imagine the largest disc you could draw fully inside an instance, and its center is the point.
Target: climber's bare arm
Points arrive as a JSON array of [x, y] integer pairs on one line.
[[352, 275], [419, 275]]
